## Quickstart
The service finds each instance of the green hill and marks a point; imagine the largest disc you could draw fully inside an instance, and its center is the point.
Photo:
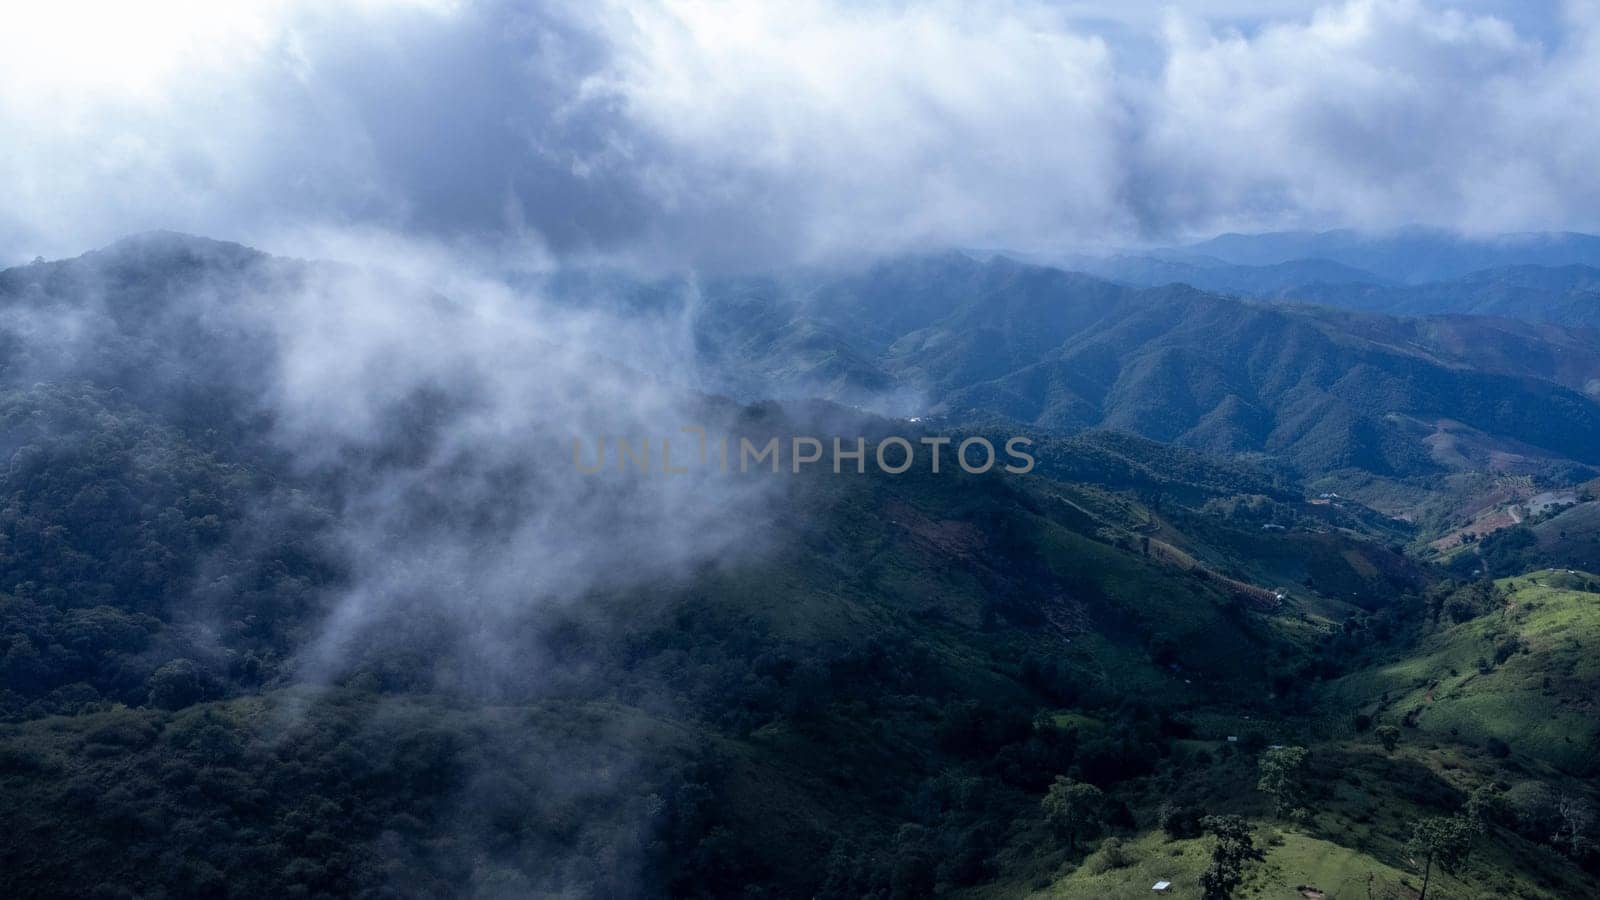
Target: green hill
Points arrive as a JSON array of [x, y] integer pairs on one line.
[[1313, 389], [1524, 674]]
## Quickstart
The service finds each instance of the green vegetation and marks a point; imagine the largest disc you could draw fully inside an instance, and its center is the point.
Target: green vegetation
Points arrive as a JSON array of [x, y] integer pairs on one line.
[[1233, 848], [1072, 809], [1316, 391], [1388, 736], [1282, 769], [1149, 662], [1521, 674], [1439, 841]]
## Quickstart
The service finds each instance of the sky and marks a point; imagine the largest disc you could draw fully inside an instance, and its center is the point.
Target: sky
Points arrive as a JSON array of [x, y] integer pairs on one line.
[[689, 133]]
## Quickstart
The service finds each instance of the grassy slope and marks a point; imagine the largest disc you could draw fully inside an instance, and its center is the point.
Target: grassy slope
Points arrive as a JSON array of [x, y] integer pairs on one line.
[[1292, 859], [1363, 800], [1572, 536], [1540, 700], [1363, 803]]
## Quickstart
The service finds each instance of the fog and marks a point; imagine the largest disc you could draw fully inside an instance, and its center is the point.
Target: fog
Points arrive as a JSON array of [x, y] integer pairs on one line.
[[426, 164], [421, 428]]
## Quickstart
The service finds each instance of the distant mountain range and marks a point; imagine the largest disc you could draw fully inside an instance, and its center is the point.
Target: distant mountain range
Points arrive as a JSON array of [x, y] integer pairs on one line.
[[1535, 277], [971, 341], [1411, 255], [1566, 295], [1319, 389]]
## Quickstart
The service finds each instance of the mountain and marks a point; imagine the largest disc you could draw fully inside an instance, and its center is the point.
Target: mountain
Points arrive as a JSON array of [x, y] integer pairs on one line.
[[1211, 274], [301, 593], [1562, 295], [1315, 389], [1409, 255], [1412, 272], [1227, 377]]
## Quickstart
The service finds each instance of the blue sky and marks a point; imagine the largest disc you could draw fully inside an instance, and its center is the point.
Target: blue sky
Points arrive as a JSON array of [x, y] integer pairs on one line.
[[697, 133]]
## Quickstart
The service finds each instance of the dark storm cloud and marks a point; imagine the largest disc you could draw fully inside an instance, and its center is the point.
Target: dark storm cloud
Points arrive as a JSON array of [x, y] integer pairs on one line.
[[689, 132]]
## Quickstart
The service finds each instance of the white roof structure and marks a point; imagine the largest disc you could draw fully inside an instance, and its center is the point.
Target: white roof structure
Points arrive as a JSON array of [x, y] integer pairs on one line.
[[1161, 886]]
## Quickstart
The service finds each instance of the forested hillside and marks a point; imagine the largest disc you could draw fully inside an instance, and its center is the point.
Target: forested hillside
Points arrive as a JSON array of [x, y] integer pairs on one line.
[[260, 639], [1314, 390]]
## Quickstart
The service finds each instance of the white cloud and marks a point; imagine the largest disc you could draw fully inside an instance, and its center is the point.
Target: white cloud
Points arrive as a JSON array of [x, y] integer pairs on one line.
[[193, 115], [826, 129], [692, 131], [1376, 113]]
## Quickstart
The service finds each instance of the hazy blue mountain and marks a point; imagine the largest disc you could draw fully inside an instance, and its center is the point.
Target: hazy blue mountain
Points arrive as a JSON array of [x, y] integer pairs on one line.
[[944, 334], [1196, 369], [1216, 275], [967, 338], [1565, 295], [1411, 255], [1414, 272]]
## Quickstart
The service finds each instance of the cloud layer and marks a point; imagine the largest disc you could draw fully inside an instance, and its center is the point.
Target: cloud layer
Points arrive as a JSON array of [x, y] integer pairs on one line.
[[692, 132]]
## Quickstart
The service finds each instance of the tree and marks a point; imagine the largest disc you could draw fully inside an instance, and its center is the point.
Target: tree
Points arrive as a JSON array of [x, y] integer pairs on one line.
[[1233, 848], [1388, 736], [1440, 839], [1281, 770], [1484, 805], [179, 683], [1073, 808], [1179, 821]]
